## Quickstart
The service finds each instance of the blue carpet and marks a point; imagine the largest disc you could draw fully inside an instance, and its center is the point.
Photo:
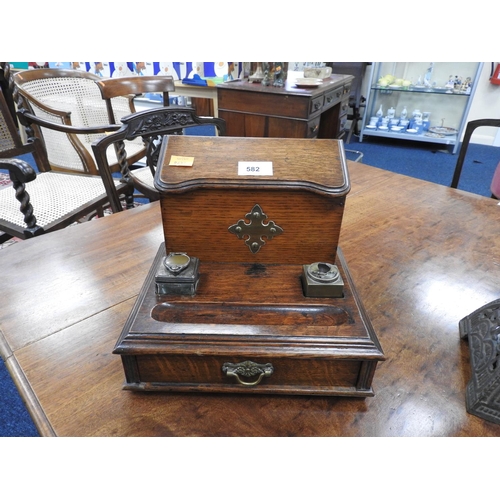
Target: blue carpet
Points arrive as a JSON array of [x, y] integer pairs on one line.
[[14, 418], [431, 162]]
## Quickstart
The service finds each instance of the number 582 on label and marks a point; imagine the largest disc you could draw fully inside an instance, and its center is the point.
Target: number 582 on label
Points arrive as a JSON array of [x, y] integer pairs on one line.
[[255, 168]]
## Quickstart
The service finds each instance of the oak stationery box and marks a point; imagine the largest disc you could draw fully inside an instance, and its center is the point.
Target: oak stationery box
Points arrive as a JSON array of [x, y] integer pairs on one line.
[[250, 292]]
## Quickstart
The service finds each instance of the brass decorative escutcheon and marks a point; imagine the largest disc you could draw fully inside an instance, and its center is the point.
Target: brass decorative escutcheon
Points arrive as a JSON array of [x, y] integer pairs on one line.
[[255, 230], [248, 369]]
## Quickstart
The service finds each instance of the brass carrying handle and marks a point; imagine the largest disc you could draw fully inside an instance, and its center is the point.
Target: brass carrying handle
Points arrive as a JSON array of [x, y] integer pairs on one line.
[[248, 369]]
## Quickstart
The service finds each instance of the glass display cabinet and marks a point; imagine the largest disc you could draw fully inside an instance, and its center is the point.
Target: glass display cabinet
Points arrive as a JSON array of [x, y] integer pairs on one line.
[[420, 101]]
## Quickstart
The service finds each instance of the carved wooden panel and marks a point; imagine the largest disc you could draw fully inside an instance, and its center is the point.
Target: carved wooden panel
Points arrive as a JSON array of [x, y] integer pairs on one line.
[[482, 329]]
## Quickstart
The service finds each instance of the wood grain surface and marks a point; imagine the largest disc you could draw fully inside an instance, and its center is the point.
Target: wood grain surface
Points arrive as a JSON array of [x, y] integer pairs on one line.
[[422, 257]]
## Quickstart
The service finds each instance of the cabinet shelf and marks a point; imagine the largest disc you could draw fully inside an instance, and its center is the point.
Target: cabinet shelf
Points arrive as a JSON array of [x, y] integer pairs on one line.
[[406, 136], [421, 90], [444, 106]]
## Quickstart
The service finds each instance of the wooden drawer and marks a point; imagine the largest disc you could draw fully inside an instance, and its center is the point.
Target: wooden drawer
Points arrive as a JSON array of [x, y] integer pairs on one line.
[[313, 128], [332, 98], [316, 105], [254, 374], [344, 107], [342, 124], [272, 104]]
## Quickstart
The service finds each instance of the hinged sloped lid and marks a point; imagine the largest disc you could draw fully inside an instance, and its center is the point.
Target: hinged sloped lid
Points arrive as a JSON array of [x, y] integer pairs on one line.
[[317, 165]]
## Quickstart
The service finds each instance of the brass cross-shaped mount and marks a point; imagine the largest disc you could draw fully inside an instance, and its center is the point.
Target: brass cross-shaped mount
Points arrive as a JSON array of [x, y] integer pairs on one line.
[[256, 230]]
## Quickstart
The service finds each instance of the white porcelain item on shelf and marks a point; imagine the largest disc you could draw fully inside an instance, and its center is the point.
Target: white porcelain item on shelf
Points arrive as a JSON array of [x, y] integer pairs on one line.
[[383, 127], [417, 114], [371, 127], [380, 112], [397, 128], [412, 130]]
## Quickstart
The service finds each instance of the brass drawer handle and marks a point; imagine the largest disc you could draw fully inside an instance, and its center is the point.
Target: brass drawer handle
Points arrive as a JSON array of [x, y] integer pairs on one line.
[[248, 369]]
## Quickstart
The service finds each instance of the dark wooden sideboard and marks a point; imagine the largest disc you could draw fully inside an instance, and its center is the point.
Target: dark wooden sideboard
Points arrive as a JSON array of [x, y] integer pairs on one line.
[[255, 110]]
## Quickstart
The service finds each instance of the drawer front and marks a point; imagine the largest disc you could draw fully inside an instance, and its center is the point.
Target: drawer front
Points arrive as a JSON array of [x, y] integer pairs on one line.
[[342, 126], [316, 105], [313, 128], [292, 106], [343, 122], [333, 97], [344, 107], [248, 374]]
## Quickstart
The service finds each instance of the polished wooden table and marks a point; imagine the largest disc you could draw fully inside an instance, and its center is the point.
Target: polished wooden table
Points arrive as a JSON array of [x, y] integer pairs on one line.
[[422, 256]]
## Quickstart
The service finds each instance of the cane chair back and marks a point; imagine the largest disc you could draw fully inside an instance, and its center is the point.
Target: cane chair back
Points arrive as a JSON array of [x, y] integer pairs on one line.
[[11, 144], [72, 98], [151, 125], [54, 199]]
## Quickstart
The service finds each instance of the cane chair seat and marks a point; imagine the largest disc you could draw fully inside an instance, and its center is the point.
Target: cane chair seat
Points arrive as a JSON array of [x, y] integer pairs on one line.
[[54, 195], [44, 201], [143, 177], [72, 98]]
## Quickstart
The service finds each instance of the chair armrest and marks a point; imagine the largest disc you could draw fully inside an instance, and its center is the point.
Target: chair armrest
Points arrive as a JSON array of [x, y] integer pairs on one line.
[[19, 170], [27, 119], [21, 173]]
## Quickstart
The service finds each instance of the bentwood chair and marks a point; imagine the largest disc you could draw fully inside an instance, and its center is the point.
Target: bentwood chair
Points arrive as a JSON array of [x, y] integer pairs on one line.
[[71, 98], [469, 130], [140, 177], [151, 125], [53, 200]]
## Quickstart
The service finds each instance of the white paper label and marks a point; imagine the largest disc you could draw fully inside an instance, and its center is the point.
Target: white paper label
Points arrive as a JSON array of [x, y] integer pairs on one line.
[[255, 168]]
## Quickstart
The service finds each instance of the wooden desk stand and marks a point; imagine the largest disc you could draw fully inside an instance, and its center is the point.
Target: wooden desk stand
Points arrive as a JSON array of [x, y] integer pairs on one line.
[[249, 327]]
